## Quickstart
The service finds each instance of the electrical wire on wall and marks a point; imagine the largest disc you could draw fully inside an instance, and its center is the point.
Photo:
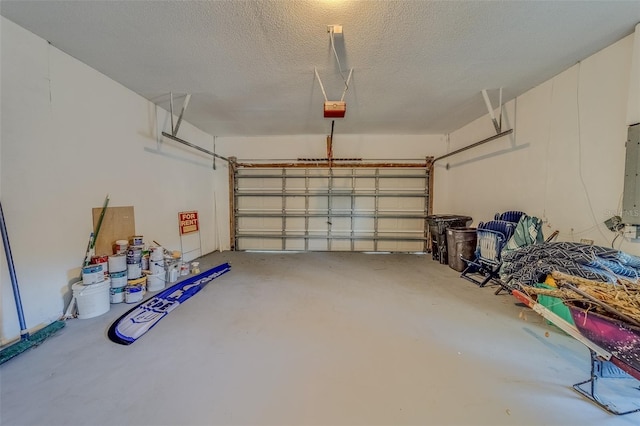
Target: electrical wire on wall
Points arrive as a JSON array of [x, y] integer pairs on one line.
[[546, 172], [584, 185]]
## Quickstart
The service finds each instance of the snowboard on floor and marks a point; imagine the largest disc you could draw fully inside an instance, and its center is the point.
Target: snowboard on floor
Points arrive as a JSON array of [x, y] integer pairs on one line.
[[142, 317]]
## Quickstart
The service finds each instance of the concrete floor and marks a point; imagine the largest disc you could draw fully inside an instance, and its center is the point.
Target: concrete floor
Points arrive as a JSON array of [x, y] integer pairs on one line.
[[317, 338]]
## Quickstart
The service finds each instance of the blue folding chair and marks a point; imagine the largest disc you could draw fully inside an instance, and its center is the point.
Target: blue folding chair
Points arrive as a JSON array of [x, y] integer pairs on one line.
[[510, 216], [492, 237]]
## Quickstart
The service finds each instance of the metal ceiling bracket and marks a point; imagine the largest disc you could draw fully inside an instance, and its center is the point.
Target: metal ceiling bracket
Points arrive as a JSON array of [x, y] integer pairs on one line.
[[214, 153], [185, 104], [487, 101]]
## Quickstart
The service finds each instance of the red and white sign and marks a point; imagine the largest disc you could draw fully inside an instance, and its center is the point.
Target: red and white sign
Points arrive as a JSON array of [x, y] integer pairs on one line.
[[188, 222]]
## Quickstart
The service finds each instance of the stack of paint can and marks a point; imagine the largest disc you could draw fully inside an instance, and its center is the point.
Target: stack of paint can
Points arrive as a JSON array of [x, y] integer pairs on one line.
[[118, 274], [136, 282], [134, 262], [156, 279]]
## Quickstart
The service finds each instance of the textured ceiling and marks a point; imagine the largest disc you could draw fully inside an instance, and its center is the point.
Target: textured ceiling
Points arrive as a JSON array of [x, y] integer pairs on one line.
[[419, 66]]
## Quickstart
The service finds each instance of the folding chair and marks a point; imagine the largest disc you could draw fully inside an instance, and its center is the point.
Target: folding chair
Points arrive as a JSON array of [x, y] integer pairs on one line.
[[492, 237], [509, 216]]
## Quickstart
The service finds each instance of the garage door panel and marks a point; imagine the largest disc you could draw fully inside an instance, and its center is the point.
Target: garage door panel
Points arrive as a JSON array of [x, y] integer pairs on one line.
[[296, 244], [318, 245], [260, 203], [363, 245], [365, 204], [340, 245], [295, 183], [401, 204], [343, 208], [295, 225], [318, 226], [341, 225]]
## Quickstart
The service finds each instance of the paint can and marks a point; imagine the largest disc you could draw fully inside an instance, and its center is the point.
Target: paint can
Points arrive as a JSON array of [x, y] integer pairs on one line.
[[195, 267], [134, 254], [139, 281], [145, 262], [101, 260], [184, 269], [92, 300], [137, 287], [155, 282], [134, 271], [117, 263], [136, 240], [118, 279], [116, 294], [133, 293], [120, 247], [156, 253], [92, 274]]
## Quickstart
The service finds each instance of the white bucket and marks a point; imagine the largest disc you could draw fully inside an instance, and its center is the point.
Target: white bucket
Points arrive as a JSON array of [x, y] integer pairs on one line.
[[93, 300], [155, 282], [156, 267], [117, 263], [156, 253]]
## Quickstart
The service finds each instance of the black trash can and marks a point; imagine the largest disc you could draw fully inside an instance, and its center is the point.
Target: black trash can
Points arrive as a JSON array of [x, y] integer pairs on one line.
[[461, 243], [438, 225]]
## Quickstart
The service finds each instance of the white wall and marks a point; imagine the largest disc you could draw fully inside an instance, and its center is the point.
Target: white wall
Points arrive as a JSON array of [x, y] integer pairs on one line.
[[563, 163], [70, 135]]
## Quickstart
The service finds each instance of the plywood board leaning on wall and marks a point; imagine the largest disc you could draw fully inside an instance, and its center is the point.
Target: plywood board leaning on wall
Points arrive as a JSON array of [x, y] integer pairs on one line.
[[118, 224]]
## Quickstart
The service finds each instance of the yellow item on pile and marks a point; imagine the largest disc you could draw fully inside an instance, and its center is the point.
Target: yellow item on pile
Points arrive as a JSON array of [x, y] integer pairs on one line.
[[550, 281]]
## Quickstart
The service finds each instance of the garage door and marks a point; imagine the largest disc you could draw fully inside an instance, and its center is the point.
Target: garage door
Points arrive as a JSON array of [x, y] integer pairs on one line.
[[330, 208]]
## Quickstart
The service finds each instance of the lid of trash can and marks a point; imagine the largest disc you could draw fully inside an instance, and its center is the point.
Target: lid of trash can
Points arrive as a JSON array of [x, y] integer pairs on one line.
[[448, 218]]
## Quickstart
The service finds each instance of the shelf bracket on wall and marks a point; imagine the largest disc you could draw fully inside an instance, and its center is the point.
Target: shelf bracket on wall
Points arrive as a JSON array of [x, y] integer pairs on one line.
[[496, 123]]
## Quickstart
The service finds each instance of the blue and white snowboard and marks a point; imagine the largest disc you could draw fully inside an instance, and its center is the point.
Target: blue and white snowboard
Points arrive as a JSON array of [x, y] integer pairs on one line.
[[141, 318]]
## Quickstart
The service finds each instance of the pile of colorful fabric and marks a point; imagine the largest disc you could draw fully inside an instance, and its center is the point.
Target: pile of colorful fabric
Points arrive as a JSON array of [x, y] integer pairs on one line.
[[529, 265]]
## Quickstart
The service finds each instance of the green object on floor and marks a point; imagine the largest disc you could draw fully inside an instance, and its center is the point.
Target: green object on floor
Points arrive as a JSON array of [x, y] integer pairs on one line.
[[30, 341], [555, 305]]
